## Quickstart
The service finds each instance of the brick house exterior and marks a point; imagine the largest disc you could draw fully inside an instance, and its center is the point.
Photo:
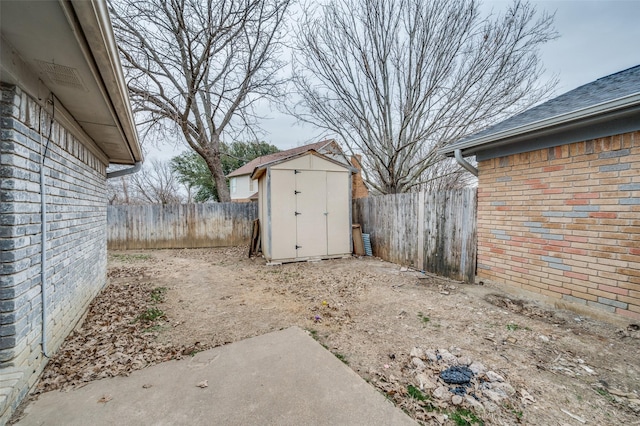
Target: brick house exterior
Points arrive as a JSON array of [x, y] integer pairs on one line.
[[59, 132], [559, 212], [565, 222], [76, 243], [358, 187]]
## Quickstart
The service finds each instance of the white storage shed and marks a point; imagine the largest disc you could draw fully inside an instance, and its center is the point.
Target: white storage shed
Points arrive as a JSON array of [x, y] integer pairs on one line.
[[304, 207]]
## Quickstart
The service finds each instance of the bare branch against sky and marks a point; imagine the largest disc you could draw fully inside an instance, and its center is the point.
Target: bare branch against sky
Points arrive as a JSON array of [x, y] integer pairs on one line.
[[198, 67], [397, 79], [156, 183]]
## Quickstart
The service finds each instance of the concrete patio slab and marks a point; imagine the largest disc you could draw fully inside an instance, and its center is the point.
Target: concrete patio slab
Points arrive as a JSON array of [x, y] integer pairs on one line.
[[280, 378]]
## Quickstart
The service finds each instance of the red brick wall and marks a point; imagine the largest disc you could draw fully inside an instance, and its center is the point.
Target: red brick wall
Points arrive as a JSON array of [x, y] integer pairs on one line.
[[565, 222], [358, 188]]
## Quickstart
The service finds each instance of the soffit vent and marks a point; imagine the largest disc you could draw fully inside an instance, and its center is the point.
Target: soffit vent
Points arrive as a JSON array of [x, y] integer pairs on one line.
[[62, 76]]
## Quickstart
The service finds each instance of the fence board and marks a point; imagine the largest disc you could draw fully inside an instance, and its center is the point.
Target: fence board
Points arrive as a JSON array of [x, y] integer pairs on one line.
[[443, 222], [180, 226]]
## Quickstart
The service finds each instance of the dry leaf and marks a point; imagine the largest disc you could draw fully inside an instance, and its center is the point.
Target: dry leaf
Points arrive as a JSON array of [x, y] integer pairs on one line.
[[526, 396], [105, 398], [203, 384], [110, 342]]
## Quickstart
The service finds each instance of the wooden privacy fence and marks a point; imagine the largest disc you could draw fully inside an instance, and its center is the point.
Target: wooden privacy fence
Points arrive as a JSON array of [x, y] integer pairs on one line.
[[179, 226], [433, 232]]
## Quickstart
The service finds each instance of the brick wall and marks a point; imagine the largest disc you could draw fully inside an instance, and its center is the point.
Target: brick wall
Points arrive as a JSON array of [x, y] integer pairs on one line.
[[565, 222], [358, 187], [75, 246]]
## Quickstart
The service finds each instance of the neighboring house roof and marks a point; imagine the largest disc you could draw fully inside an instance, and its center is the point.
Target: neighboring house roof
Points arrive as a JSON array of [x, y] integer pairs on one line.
[[248, 168], [260, 170], [607, 106], [70, 46]]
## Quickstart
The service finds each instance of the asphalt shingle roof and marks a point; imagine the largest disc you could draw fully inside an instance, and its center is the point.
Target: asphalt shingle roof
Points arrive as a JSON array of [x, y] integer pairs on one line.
[[609, 88], [248, 168]]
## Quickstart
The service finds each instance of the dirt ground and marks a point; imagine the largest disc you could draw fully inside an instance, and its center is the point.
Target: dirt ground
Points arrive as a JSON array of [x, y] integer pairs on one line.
[[398, 329]]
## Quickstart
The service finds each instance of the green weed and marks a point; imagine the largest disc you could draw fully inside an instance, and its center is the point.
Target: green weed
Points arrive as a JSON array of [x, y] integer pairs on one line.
[[341, 357], [158, 294], [416, 393], [605, 393], [423, 318], [518, 415], [151, 314], [130, 257], [431, 408], [512, 327], [464, 417]]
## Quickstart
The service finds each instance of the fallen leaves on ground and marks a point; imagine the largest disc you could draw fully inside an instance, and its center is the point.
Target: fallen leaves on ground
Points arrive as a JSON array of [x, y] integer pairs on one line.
[[370, 314], [112, 341]]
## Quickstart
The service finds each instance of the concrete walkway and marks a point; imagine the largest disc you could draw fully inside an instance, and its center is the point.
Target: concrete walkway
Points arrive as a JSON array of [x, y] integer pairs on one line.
[[281, 378]]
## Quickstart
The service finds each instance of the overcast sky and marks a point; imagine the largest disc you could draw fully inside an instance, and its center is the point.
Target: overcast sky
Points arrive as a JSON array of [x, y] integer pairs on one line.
[[597, 38]]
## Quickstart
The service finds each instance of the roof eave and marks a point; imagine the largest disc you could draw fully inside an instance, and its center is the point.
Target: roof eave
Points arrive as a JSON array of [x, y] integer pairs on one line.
[[546, 126], [261, 169], [93, 18], [324, 143]]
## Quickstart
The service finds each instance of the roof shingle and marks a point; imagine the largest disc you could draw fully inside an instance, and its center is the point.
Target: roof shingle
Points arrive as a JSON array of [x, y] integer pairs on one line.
[[612, 87], [248, 168]]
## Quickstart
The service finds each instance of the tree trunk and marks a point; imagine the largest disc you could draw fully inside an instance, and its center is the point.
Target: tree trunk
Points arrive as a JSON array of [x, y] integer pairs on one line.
[[212, 158]]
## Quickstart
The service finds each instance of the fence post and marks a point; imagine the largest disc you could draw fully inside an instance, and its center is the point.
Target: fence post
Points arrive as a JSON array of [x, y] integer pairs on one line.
[[421, 230]]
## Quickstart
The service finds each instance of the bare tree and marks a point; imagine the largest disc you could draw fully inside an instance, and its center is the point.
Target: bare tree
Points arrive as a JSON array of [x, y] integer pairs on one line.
[[396, 79], [118, 190], [443, 175], [198, 66], [156, 183]]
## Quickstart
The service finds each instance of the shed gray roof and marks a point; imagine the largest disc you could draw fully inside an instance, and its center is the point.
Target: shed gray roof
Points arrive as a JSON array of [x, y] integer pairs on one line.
[[248, 168], [613, 92]]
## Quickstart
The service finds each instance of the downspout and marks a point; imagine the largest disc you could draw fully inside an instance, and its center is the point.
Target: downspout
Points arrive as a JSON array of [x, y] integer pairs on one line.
[[43, 258], [43, 231], [464, 163], [136, 167]]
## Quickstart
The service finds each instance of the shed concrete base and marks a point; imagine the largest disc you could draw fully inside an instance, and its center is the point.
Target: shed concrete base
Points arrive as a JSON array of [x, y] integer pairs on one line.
[[272, 262]]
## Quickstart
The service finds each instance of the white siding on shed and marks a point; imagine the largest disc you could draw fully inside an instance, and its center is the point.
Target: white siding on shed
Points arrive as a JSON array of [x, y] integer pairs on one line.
[[304, 208]]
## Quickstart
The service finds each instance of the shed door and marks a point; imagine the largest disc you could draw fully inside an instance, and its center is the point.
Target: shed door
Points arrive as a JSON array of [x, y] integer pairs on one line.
[[281, 214], [311, 213], [338, 220]]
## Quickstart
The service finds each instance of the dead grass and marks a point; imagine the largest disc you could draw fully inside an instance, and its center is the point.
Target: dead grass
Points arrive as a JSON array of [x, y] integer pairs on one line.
[[369, 314]]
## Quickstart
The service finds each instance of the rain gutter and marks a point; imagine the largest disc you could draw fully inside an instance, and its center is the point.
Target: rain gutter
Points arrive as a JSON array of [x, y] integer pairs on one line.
[[123, 172], [614, 107], [464, 163]]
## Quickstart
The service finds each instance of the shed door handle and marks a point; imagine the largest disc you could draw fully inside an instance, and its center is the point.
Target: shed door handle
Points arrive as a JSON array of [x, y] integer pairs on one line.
[[297, 213]]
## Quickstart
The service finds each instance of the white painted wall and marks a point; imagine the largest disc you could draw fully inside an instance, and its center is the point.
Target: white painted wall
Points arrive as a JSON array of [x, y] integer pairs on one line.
[[242, 187]]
